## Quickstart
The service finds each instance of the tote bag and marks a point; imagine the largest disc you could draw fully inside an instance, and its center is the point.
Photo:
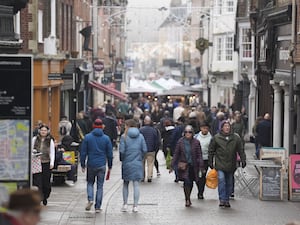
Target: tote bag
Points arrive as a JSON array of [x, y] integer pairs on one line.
[[36, 164]]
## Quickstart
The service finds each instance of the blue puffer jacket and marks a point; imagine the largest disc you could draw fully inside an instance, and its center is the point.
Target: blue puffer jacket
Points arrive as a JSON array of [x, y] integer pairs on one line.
[[132, 150], [97, 148]]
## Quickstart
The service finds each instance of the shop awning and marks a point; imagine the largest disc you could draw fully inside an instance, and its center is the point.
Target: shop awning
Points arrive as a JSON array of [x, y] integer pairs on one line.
[[108, 90]]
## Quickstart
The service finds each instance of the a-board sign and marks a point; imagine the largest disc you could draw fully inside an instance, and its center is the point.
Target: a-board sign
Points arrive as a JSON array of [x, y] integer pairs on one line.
[[278, 155], [271, 183], [294, 177], [15, 122]]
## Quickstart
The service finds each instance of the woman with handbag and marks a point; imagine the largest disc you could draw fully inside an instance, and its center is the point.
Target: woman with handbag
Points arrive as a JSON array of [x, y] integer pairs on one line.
[[43, 143], [188, 159], [132, 150]]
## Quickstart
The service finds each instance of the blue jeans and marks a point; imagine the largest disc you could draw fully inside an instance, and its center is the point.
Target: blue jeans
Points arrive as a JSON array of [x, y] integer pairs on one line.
[[225, 183], [92, 173], [136, 192]]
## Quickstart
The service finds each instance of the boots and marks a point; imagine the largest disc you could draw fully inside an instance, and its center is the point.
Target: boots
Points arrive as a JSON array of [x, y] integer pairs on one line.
[[187, 194]]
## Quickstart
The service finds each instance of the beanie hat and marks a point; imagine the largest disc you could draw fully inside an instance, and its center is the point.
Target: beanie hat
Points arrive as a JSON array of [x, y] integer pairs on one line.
[[98, 124], [223, 122]]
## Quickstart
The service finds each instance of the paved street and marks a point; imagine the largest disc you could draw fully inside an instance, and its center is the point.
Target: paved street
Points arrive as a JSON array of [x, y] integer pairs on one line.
[[162, 202]]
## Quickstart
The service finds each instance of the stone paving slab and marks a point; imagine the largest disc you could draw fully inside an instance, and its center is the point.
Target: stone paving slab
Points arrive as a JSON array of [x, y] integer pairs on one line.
[[162, 203]]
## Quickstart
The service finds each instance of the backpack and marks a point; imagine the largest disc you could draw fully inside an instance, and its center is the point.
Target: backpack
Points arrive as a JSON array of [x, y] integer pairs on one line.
[[63, 130]]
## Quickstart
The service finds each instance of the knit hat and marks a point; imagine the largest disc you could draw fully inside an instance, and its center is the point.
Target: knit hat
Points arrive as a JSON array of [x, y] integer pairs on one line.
[[224, 122], [98, 124], [24, 200]]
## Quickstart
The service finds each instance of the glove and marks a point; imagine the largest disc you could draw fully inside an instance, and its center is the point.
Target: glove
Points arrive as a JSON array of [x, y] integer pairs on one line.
[[243, 164]]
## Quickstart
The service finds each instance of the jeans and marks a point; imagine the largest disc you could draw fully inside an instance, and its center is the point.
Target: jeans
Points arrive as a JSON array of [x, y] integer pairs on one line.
[[136, 192], [225, 183], [92, 173]]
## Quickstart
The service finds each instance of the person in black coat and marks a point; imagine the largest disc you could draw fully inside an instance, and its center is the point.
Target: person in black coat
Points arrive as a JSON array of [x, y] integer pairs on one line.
[[263, 130], [110, 127]]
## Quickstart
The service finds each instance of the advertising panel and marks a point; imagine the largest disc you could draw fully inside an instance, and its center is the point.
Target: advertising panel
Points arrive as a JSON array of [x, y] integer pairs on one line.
[[294, 177], [15, 122]]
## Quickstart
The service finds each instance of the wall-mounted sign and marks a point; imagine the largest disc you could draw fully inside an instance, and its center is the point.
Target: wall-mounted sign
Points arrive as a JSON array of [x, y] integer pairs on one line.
[[99, 66]]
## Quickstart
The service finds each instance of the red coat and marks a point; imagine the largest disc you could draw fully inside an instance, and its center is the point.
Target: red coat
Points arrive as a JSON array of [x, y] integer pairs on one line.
[[179, 156]]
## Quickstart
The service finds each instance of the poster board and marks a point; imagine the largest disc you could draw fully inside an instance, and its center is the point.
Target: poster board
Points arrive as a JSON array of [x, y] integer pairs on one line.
[[271, 183], [294, 177], [15, 122]]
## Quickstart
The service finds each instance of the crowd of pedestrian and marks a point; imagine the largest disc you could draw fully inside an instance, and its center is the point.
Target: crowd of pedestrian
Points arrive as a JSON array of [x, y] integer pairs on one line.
[[197, 137]]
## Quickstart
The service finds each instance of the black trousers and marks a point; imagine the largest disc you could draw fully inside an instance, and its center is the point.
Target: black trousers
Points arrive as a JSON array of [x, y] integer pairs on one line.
[[202, 181], [42, 180]]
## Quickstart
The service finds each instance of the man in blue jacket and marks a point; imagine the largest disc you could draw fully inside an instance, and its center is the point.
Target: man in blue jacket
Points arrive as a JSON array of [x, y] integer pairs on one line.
[[151, 137], [97, 148]]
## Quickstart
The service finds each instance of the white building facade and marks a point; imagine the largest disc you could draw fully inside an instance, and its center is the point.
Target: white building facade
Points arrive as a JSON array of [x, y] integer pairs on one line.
[[223, 71]]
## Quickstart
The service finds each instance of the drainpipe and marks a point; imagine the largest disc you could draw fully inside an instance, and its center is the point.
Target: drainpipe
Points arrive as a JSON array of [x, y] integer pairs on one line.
[[53, 18]]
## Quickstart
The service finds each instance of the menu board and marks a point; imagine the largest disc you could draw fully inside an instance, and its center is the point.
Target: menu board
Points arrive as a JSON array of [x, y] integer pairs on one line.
[[15, 122], [271, 183]]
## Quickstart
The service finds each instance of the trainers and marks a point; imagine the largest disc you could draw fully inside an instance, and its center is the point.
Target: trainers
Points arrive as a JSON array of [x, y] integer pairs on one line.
[[89, 206], [232, 196], [200, 196], [135, 209], [222, 204], [149, 180], [227, 205], [97, 210], [124, 208], [158, 174]]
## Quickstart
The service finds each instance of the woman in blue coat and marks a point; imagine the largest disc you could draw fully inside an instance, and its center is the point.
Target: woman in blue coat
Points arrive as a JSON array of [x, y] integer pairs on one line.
[[132, 150]]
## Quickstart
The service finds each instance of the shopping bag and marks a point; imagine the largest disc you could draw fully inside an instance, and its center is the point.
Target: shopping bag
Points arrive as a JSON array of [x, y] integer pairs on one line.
[[168, 159], [212, 179], [36, 164]]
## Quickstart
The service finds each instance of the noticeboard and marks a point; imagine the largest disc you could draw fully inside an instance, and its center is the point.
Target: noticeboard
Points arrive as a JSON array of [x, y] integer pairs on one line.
[[294, 177], [271, 183], [15, 122]]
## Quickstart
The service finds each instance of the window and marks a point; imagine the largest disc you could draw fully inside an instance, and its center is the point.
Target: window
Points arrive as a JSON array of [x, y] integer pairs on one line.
[[219, 49], [262, 49], [219, 4], [224, 48], [246, 43], [229, 49], [230, 6], [40, 26], [224, 6]]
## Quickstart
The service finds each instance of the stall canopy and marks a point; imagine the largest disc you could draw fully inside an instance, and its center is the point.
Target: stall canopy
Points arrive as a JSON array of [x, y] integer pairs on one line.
[[108, 90], [177, 92]]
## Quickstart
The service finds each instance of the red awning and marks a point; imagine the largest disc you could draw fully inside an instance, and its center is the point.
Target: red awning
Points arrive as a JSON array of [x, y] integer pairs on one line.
[[108, 90]]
